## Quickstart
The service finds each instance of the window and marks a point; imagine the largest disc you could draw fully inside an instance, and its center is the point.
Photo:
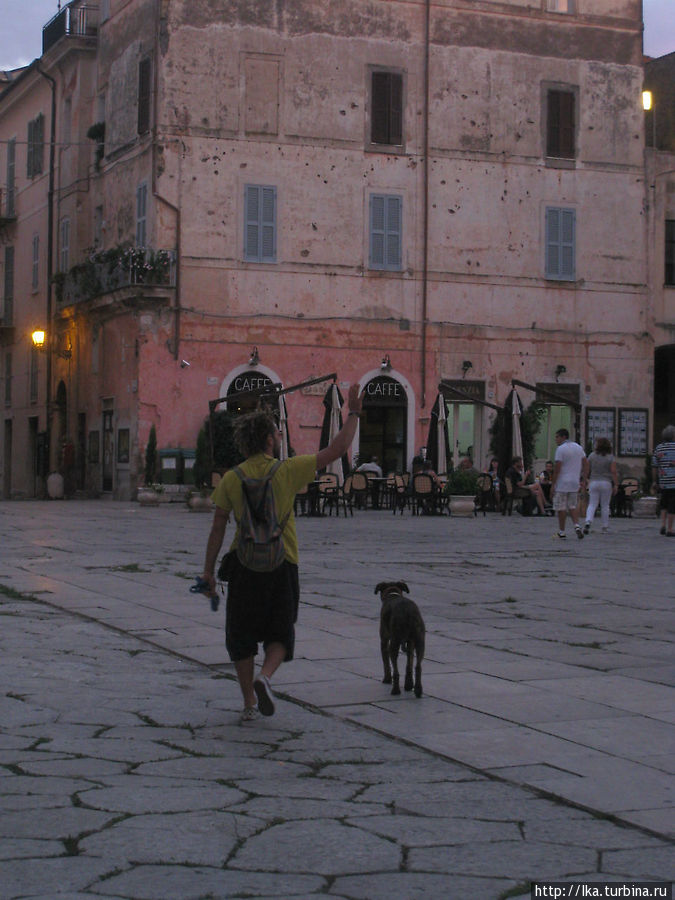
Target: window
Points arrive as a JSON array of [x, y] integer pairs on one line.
[[8, 378], [386, 108], [560, 243], [8, 317], [141, 214], [260, 223], [64, 255], [670, 252], [11, 172], [35, 148], [561, 6], [560, 124], [35, 269], [144, 72], [34, 374], [385, 231]]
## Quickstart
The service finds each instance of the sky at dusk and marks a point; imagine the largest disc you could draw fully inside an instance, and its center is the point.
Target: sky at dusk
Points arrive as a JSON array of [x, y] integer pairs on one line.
[[22, 22]]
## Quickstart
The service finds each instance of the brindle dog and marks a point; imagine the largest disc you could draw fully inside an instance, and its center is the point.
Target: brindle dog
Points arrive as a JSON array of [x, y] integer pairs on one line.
[[401, 627]]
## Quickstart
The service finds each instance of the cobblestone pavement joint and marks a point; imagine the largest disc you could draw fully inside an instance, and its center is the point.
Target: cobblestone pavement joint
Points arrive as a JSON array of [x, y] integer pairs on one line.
[[542, 748]]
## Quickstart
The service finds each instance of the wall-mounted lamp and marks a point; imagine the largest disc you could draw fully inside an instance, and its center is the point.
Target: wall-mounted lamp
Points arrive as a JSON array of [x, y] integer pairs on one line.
[[466, 365], [255, 357], [647, 100], [559, 370], [40, 342], [385, 365]]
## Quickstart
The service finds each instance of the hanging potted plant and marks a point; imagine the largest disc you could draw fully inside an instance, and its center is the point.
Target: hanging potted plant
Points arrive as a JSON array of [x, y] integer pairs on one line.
[[462, 487]]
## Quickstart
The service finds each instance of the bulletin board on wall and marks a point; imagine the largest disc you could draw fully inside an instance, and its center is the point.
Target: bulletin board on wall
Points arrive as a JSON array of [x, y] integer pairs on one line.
[[600, 423], [633, 432]]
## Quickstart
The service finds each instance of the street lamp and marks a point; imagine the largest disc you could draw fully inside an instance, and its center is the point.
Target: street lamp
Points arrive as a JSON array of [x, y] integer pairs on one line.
[[38, 338], [648, 106]]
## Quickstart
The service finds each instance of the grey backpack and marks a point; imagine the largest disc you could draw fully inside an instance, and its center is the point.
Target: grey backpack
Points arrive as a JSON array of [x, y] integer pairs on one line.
[[260, 545]]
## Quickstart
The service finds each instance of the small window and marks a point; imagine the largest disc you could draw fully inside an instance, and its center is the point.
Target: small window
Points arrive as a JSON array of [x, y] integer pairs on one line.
[[8, 313], [141, 214], [560, 124], [144, 73], [35, 268], [64, 253], [670, 252], [35, 146], [385, 232], [260, 223], [560, 6], [560, 243], [386, 108]]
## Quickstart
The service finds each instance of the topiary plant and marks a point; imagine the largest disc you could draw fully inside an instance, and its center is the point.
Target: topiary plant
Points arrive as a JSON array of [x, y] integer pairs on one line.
[[151, 458]]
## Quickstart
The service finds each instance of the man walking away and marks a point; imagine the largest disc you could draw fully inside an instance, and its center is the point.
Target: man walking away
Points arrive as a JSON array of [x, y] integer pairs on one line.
[[663, 475], [262, 606], [571, 466]]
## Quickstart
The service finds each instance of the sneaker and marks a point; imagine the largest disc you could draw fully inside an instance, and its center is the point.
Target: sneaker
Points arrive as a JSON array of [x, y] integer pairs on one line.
[[561, 535], [263, 692], [579, 532], [249, 714], [587, 527]]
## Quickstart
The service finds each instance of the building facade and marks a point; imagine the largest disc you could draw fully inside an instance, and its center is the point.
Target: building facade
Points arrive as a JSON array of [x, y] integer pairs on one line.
[[407, 194]]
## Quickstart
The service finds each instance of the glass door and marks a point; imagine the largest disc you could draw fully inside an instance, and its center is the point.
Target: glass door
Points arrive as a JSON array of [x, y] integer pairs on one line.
[[462, 424]]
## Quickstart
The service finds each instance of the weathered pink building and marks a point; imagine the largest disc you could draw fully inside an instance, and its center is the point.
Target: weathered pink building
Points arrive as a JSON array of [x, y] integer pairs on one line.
[[401, 192]]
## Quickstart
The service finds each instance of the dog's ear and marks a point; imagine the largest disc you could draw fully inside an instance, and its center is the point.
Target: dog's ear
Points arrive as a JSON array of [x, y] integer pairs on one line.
[[379, 587], [403, 586]]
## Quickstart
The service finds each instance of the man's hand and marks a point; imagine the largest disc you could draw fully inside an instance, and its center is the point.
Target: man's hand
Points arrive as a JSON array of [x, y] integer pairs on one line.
[[355, 401]]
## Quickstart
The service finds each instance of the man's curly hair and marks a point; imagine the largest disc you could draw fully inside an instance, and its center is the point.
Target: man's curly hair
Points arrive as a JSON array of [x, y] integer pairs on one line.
[[252, 430]]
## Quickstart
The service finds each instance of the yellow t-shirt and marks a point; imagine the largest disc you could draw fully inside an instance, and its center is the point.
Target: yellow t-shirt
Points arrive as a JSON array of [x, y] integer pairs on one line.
[[291, 475]]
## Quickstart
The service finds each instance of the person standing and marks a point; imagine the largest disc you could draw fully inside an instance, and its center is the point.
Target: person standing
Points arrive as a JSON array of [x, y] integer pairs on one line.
[[603, 482], [571, 466], [663, 476], [263, 606]]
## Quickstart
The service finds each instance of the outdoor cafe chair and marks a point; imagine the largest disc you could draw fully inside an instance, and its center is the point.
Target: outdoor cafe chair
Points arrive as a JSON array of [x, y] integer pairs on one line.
[[425, 495], [360, 489], [485, 494], [399, 495], [329, 490]]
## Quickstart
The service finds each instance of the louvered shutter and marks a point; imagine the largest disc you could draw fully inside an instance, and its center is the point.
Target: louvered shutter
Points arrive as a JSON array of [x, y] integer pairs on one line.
[[260, 238], [39, 141], [30, 141], [8, 317], [11, 173], [377, 231], [268, 249], [144, 96], [561, 244], [393, 231]]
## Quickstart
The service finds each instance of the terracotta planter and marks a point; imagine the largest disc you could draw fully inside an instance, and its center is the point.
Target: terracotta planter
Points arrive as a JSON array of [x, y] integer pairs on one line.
[[197, 503], [147, 497]]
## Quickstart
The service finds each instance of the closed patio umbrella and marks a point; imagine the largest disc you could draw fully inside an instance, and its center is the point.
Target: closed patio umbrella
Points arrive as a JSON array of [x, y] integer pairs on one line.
[[332, 423], [516, 436], [283, 428], [438, 443]]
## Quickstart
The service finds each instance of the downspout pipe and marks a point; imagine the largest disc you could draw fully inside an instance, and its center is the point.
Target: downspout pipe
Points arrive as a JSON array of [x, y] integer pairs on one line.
[[50, 252], [425, 204]]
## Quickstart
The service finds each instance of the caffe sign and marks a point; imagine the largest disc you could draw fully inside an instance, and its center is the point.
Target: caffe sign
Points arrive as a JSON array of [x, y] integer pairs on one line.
[[249, 381], [383, 391]]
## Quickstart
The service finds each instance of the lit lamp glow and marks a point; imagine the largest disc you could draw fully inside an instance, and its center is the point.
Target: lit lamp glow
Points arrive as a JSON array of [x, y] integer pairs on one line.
[[646, 100], [38, 338]]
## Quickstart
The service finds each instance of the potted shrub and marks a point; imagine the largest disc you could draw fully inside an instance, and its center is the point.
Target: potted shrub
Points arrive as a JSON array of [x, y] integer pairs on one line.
[[462, 487], [199, 500], [147, 495]]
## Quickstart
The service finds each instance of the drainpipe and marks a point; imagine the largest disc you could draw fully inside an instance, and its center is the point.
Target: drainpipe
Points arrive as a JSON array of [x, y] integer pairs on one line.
[[155, 192], [425, 203], [50, 256]]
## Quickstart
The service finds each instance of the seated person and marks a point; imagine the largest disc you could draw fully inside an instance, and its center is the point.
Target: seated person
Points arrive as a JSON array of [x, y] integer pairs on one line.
[[466, 465], [546, 480], [370, 467], [493, 472], [521, 489]]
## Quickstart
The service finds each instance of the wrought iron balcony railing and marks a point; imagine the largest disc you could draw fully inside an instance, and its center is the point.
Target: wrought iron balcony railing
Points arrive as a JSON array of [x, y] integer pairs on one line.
[[77, 19], [110, 270]]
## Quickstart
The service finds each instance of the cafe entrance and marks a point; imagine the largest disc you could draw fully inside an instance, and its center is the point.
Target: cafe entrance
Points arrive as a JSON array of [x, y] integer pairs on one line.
[[245, 380], [464, 405], [384, 424]]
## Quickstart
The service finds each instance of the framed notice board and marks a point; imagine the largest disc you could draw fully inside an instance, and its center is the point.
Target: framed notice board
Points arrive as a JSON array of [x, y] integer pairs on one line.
[[600, 422], [633, 432]]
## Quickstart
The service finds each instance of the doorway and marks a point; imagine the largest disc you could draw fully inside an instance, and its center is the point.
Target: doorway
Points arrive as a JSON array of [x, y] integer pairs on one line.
[[108, 450], [33, 455], [384, 424], [664, 389], [462, 430]]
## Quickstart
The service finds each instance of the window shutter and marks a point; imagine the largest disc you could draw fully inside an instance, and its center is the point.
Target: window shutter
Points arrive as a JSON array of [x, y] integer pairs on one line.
[[144, 96], [8, 317], [561, 244], [260, 237], [393, 229], [36, 261], [38, 150], [377, 231], [29, 149]]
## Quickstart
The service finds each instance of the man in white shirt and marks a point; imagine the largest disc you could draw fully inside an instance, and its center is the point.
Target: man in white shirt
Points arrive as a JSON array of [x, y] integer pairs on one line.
[[571, 466], [371, 467]]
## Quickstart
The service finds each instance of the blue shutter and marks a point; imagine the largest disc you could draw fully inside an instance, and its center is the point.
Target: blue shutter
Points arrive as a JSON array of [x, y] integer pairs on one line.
[[260, 227], [560, 244], [385, 232]]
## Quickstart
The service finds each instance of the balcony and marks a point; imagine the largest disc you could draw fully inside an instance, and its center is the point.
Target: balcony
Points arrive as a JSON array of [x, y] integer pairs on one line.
[[115, 269], [75, 20], [7, 209]]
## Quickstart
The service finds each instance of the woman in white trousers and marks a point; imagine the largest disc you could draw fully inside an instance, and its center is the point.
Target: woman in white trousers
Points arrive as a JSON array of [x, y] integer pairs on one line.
[[603, 481]]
